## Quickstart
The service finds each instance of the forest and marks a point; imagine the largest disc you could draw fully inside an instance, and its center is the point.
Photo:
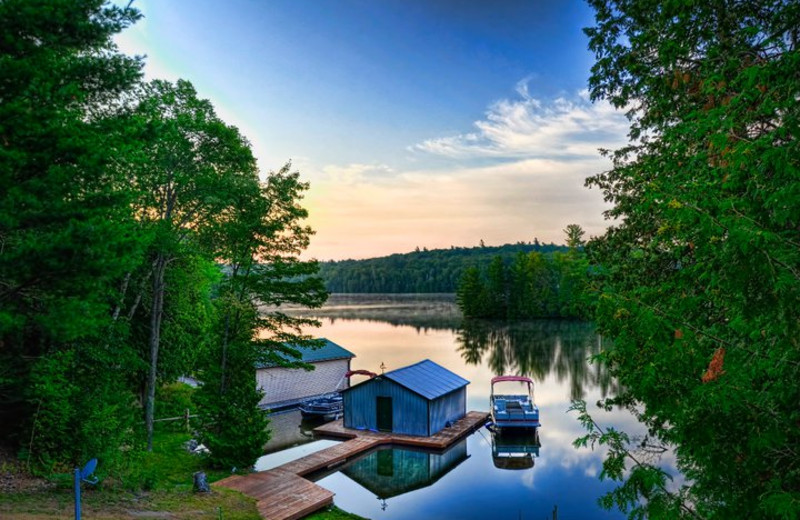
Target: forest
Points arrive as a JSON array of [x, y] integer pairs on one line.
[[121, 200], [531, 285], [420, 271]]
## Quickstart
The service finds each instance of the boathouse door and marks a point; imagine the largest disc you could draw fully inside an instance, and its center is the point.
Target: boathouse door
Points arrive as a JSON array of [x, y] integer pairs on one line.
[[384, 408]]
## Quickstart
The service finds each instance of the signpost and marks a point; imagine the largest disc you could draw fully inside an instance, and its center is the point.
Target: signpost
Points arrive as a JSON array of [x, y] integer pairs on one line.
[[83, 475]]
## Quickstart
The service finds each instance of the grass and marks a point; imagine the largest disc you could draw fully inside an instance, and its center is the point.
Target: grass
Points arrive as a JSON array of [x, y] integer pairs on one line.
[[151, 485], [334, 513], [165, 474]]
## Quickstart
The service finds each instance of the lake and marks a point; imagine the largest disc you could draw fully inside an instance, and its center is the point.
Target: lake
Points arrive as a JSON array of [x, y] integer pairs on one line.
[[481, 476]]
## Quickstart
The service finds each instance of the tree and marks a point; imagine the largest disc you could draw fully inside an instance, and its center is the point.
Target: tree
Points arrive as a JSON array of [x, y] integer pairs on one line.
[[471, 294], [574, 236], [65, 223], [497, 288], [702, 285], [193, 170], [260, 244]]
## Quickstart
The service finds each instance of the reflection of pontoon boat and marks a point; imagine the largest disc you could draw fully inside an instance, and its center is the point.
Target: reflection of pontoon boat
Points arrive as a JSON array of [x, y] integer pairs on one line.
[[515, 450], [514, 410]]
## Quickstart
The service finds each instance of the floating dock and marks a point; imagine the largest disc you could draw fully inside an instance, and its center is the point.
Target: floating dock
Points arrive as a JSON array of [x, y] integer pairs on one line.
[[283, 494]]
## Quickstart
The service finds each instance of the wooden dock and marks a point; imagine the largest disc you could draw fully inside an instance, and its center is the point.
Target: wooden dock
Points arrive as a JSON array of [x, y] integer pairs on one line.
[[283, 494]]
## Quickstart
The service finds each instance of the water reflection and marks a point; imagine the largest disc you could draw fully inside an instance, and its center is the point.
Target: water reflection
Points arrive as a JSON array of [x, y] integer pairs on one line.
[[390, 472], [535, 349], [515, 450], [498, 477], [288, 429], [423, 312]]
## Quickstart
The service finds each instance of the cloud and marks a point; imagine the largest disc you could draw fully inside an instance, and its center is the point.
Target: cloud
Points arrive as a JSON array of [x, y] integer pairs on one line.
[[527, 127], [532, 185], [355, 173], [361, 211]]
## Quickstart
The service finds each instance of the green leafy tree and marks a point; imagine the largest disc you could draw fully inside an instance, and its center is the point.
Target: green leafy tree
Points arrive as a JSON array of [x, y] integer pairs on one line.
[[65, 225], [701, 269], [471, 294], [260, 245], [574, 236], [192, 170], [497, 288]]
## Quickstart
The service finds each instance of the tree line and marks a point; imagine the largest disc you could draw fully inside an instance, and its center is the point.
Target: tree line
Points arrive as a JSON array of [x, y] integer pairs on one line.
[[121, 202], [420, 271], [530, 285]]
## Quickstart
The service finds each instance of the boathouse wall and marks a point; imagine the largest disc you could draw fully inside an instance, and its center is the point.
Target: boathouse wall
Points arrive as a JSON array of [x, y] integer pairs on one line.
[[409, 410], [425, 397], [447, 409], [284, 387]]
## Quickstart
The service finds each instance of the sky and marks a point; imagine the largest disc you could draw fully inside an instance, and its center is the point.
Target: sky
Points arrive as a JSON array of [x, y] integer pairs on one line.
[[417, 123]]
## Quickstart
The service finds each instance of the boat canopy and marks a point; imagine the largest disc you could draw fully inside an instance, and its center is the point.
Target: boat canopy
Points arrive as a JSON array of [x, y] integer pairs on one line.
[[521, 379], [367, 373]]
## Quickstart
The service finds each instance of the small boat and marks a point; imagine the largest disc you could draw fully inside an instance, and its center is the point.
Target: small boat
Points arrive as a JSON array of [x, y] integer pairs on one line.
[[510, 411], [330, 406]]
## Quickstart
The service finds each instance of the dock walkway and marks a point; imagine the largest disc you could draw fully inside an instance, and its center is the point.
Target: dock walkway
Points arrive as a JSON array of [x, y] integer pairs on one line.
[[283, 494]]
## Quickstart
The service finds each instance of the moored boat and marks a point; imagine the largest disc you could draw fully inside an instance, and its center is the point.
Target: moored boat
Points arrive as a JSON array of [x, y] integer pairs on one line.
[[514, 411], [329, 406]]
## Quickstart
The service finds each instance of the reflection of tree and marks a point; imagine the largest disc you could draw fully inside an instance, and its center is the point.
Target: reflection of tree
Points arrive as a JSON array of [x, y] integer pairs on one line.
[[537, 348]]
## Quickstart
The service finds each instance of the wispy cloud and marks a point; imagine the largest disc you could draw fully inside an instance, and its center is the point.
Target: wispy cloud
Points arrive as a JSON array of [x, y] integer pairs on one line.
[[360, 212], [355, 173], [544, 151], [527, 127]]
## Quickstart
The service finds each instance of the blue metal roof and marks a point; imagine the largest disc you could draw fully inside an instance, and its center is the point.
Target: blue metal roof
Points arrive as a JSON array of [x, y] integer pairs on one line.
[[327, 352], [427, 379]]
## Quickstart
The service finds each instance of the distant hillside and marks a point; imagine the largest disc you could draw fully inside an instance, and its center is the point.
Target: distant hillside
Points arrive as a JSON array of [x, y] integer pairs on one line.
[[425, 271]]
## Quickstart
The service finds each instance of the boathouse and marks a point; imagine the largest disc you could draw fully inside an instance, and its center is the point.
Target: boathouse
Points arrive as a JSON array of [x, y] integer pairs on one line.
[[284, 387], [420, 399]]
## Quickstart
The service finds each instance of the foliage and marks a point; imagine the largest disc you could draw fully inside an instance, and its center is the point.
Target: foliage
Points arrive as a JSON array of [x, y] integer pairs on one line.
[[64, 225], [574, 235], [190, 171], [421, 271], [532, 286], [635, 466], [261, 244], [334, 513], [701, 280], [120, 202]]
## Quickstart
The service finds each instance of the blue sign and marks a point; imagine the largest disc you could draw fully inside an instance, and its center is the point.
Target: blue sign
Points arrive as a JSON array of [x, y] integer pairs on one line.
[[88, 469]]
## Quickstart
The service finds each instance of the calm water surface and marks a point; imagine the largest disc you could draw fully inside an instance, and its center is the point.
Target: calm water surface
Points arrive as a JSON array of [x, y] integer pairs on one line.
[[482, 476]]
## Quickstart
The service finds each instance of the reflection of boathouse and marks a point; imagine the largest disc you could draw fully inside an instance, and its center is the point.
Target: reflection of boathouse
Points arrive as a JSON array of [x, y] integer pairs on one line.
[[389, 472], [420, 399], [284, 387]]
